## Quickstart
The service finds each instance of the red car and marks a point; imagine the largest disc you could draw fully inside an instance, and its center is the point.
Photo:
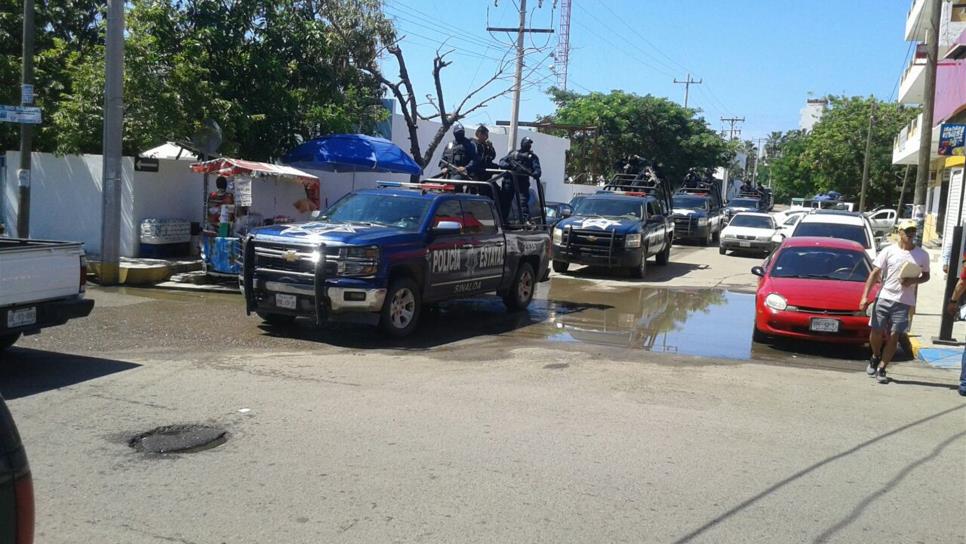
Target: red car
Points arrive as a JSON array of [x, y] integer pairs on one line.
[[810, 290]]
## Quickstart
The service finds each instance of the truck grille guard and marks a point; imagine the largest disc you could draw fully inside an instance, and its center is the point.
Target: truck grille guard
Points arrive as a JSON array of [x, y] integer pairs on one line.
[[569, 242], [318, 278]]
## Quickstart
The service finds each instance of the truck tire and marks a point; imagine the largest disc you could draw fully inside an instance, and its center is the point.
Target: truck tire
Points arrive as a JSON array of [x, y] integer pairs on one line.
[[665, 255], [401, 311], [8, 340], [641, 270], [277, 320], [722, 250], [560, 267], [522, 288]]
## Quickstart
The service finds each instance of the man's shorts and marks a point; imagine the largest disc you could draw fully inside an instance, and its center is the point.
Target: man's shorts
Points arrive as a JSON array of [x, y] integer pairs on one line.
[[890, 315]]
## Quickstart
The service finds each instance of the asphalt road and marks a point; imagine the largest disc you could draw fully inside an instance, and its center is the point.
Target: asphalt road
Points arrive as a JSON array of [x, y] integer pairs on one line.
[[592, 418]]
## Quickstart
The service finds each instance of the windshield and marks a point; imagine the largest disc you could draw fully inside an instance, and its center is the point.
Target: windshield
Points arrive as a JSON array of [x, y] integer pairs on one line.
[[609, 207], [744, 203], [821, 263], [392, 211], [856, 233], [753, 221], [691, 202]]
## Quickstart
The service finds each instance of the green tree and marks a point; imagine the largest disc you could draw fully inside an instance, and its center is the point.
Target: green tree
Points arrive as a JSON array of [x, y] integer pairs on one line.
[[652, 127], [271, 73], [831, 156]]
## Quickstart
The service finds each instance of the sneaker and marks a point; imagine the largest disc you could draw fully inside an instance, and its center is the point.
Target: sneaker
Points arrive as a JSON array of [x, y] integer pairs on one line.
[[881, 376], [873, 367]]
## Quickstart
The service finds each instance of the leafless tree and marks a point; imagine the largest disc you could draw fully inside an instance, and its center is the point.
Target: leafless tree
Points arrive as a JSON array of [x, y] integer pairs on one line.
[[499, 84]]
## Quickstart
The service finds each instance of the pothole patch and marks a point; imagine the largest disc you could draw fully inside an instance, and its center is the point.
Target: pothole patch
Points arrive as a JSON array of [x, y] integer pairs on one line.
[[179, 439]]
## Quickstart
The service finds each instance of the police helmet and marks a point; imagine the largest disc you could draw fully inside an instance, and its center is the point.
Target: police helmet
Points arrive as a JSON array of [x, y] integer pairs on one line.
[[526, 144], [458, 130]]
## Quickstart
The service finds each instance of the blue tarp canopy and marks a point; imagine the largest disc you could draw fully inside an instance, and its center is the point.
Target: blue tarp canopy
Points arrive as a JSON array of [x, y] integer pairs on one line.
[[352, 153]]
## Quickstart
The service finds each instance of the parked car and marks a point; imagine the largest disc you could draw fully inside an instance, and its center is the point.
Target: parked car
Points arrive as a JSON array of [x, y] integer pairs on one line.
[[615, 229], [839, 224], [810, 289], [555, 211], [745, 204], [788, 220], [42, 284], [882, 221], [750, 232], [377, 255], [16, 484]]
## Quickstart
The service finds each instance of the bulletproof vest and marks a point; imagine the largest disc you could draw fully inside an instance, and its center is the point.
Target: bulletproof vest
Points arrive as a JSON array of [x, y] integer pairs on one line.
[[487, 151], [459, 155], [525, 158]]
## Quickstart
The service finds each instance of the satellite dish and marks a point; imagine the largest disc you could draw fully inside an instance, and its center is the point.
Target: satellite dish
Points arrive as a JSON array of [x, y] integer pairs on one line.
[[209, 138]]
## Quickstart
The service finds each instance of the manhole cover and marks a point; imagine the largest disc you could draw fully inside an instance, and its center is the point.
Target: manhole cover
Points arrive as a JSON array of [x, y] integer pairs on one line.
[[179, 439]]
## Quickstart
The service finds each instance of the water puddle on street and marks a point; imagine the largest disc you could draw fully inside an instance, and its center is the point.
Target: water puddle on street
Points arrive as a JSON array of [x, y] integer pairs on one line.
[[710, 323]]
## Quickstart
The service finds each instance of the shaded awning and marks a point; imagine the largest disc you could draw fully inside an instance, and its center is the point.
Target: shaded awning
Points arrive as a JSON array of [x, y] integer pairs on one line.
[[231, 167]]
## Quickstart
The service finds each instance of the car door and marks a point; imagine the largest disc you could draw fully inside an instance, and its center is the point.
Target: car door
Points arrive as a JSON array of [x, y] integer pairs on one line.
[[484, 248], [788, 226], [883, 221], [444, 257], [654, 227]]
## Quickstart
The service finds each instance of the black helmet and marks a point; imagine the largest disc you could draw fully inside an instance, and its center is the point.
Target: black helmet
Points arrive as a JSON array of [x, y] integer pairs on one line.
[[526, 144], [458, 130]]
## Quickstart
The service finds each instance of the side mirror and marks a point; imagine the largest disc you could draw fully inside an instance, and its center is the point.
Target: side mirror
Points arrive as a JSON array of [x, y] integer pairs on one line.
[[316, 214], [758, 271], [566, 212], [447, 227]]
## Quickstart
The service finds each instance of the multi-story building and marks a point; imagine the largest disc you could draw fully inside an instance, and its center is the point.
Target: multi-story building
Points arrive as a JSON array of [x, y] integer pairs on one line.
[[944, 196], [811, 113]]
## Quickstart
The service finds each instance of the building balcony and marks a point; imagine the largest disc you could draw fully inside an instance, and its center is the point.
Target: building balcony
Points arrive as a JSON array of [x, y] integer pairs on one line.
[[917, 21], [905, 147], [912, 86]]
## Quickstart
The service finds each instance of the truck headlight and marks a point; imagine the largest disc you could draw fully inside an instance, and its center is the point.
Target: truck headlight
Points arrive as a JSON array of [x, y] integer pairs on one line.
[[370, 252], [632, 240], [776, 302], [558, 237], [358, 261]]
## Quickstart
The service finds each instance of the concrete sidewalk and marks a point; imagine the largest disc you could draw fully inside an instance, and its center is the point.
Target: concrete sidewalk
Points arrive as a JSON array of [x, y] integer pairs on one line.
[[931, 304]]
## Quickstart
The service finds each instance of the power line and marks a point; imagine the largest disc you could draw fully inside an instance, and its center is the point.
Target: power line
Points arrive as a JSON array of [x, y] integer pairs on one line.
[[645, 40], [623, 48]]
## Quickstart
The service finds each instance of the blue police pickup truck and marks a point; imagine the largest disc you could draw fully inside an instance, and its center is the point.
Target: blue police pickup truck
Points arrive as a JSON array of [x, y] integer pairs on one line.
[[620, 227], [378, 255]]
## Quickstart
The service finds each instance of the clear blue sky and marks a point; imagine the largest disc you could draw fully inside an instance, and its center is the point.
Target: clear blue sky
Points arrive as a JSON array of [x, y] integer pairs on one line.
[[758, 58]]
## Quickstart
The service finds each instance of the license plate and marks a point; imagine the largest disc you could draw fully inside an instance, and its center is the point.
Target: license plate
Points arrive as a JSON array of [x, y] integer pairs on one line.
[[825, 325], [744, 244], [285, 301], [22, 317]]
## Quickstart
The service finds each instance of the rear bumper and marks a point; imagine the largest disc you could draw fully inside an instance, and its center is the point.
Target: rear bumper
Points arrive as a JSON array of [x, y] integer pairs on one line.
[[626, 258], [48, 314], [852, 329], [752, 245]]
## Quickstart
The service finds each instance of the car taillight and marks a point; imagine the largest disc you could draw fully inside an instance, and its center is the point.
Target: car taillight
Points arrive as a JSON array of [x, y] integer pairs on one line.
[[24, 494], [83, 273]]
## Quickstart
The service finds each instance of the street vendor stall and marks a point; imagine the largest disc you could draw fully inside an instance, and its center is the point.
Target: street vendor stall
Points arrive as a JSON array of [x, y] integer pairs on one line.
[[249, 195]]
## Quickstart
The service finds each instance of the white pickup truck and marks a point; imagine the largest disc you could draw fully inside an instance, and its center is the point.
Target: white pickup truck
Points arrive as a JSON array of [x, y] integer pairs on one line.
[[42, 284]]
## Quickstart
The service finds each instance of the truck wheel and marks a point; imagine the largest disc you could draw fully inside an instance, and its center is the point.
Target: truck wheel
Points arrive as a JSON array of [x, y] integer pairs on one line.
[[521, 291], [560, 267], [400, 312], [8, 340], [641, 270], [665, 255], [277, 320], [722, 250]]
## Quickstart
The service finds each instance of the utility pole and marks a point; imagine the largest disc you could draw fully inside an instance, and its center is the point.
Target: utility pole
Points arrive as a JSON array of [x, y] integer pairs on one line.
[[26, 131], [111, 182], [902, 193], [687, 86], [758, 155], [518, 76], [865, 165], [925, 128], [733, 121]]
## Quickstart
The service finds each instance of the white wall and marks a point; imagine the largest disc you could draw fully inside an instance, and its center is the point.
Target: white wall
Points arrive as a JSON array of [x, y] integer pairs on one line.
[[65, 198]]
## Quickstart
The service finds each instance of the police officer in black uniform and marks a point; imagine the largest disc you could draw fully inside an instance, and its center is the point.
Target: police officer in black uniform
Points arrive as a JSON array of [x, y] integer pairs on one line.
[[460, 157], [486, 154], [523, 165]]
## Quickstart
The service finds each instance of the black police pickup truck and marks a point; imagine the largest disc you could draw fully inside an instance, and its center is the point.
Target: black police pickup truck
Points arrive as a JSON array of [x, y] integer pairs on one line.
[[619, 227], [377, 255], [699, 213]]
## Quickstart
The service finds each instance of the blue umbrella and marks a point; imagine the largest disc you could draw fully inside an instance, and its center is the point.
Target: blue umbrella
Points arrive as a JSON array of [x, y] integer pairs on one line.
[[352, 153]]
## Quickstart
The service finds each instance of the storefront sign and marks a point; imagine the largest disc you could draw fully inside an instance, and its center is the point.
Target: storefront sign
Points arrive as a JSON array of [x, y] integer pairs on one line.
[[20, 114], [243, 191], [952, 139]]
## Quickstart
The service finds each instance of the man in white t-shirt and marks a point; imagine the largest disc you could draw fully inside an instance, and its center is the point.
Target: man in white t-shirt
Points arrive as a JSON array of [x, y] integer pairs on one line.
[[900, 268]]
